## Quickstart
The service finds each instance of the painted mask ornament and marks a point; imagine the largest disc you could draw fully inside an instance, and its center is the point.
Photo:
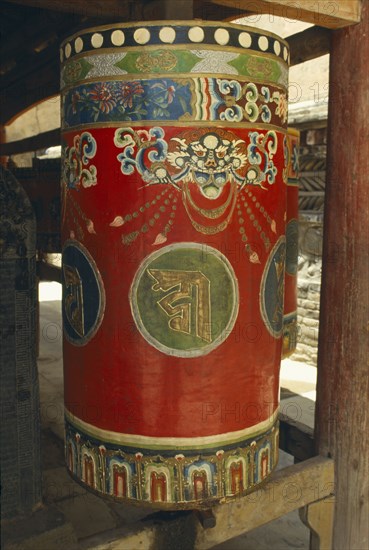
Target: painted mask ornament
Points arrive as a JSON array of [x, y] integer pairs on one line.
[[174, 213]]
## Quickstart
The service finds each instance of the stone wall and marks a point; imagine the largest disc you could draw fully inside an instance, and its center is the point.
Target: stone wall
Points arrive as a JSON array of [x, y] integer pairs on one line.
[[309, 282], [19, 390]]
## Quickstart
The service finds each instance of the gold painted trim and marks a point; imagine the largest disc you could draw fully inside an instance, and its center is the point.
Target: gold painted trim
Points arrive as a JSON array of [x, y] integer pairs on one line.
[[211, 213], [171, 443], [293, 132], [210, 229], [174, 76], [174, 124]]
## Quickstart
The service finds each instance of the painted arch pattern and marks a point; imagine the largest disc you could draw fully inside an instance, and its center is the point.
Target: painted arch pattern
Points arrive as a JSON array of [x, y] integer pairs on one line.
[[162, 480]]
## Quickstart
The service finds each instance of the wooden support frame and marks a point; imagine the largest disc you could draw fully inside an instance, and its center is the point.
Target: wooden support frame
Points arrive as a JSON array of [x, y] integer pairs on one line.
[[156, 9], [48, 272], [342, 407], [98, 8], [34, 143], [332, 15], [296, 438], [286, 490], [318, 516], [309, 44]]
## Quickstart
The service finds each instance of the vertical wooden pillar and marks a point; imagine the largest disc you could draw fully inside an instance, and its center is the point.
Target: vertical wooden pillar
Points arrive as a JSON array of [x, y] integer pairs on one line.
[[342, 420]]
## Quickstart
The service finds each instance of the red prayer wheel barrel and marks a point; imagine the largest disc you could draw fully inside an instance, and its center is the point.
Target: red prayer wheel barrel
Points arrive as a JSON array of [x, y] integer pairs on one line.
[[173, 258], [292, 250]]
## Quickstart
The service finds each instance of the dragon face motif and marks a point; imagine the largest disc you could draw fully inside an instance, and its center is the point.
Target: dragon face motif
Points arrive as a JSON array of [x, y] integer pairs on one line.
[[210, 162]]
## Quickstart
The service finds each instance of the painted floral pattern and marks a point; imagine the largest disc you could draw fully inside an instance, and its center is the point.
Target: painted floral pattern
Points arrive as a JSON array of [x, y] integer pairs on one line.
[[179, 99], [103, 98], [127, 101]]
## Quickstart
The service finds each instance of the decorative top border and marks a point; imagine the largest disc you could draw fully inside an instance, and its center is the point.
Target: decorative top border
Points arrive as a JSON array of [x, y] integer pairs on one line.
[[168, 33]]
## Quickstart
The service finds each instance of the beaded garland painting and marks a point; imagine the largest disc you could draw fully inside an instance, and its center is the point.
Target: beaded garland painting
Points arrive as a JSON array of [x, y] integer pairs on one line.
[[174, 211]]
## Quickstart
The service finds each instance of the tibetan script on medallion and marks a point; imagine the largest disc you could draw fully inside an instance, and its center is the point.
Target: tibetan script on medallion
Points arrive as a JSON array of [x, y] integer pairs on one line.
[[187, 302]]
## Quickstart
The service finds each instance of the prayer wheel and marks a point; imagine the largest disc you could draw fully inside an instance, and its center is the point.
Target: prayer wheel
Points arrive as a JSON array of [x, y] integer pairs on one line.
[[173, 228], [290, 332]]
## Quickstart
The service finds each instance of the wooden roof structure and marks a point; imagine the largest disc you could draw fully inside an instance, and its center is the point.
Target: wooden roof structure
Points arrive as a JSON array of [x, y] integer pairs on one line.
[[29, 72], [32, 30]]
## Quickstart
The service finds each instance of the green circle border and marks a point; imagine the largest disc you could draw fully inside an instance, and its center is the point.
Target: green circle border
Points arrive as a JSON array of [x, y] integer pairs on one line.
[[205, 350], [263, 310]]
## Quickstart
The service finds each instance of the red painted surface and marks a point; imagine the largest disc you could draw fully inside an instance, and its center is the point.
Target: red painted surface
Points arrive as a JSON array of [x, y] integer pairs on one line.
[[120, 482], [119, 382]]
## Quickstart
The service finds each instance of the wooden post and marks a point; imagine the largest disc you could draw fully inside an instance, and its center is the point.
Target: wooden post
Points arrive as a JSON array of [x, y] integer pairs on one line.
[[318, 516], [342, 419]]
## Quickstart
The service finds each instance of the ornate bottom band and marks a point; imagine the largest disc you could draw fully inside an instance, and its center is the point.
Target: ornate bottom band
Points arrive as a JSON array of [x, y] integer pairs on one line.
[[171, 479]]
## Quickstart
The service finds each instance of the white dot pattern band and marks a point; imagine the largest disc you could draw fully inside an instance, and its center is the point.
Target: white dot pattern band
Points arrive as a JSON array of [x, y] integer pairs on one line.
[[68, 50], [117, 38], [78, 44], [263, 43], [221, 36], [196, 34], [177, 34], [97, 40], [142, 36], [167, 35]]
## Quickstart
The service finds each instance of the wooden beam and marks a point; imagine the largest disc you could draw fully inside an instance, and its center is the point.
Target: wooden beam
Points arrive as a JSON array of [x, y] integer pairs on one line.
[[167, 9], [340, 13], [48, 272], [34, 143], [286, 490], [22, 98], [342, 413], [208, 10], [296, 438], [88, 8], [318, 516], [39, 28], [319, 12], [309, 44], [133, 10]]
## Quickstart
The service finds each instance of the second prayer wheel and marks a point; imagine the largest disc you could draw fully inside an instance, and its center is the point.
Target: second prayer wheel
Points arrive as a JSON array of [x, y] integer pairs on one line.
[[174, 209], [290, 330]]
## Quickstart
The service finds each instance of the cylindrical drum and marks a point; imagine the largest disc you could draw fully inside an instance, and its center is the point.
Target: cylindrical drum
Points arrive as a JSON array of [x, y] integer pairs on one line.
[[290, 295], [173, 258]]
